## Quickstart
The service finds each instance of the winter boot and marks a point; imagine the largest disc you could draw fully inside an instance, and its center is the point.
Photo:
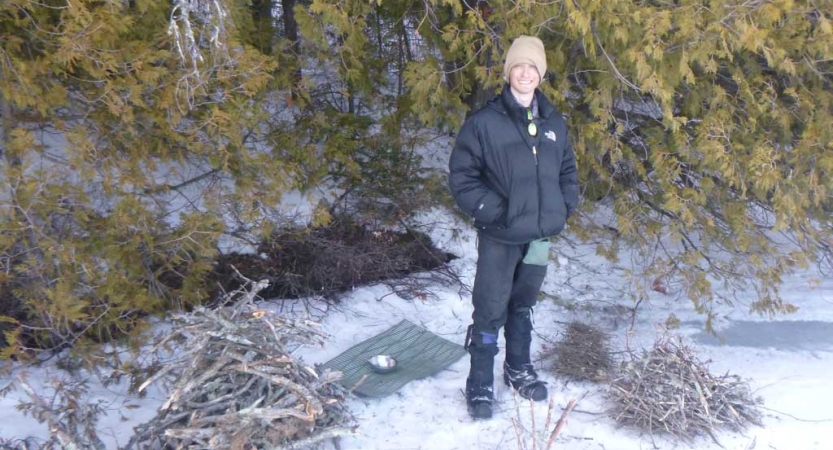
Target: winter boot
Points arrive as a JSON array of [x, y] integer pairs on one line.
[[479, 391], [517, 370], [479, 399], [525, 381]]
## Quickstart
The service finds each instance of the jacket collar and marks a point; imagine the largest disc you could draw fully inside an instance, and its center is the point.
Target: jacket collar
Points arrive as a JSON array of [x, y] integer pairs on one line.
[[505, 102]]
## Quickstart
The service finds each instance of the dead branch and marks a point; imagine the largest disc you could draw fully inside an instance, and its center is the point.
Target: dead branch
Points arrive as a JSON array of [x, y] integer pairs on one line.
[[331, 433], [561, 422], [243, 388], [669, 390], [530, 438]]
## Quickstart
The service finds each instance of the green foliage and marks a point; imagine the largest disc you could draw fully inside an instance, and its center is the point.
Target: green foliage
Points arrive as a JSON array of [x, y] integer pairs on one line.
[[357, 130], [706, 124], [108, 140], [703, 124]]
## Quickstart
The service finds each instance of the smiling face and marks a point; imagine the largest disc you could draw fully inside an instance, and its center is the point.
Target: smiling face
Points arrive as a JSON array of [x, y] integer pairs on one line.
[[523, 79]]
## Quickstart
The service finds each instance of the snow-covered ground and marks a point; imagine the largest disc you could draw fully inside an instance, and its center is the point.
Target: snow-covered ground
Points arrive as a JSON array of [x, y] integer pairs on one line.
[[788, 361]]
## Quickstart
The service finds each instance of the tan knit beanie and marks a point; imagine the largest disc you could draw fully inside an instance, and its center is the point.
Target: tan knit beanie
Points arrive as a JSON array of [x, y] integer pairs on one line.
[[526, 49]]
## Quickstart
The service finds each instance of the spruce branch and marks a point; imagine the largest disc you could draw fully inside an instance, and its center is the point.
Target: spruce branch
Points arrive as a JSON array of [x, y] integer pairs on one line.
[[616, 71]]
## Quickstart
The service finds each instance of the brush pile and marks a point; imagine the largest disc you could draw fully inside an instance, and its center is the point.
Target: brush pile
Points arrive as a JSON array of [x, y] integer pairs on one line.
[[233, 383], [669, 390], [323, 262], [583, 354]]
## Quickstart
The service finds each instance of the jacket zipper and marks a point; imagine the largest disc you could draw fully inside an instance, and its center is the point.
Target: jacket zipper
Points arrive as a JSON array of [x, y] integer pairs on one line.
[[538, 185]]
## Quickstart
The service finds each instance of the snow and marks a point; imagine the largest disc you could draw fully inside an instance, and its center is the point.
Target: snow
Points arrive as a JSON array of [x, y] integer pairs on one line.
[[787, 360]]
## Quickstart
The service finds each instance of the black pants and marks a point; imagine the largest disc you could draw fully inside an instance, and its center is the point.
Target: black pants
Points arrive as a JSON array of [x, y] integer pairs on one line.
[[505, 290]]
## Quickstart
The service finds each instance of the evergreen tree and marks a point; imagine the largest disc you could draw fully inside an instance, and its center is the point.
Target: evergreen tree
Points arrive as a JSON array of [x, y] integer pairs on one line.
[[702, 123], [115, 116]]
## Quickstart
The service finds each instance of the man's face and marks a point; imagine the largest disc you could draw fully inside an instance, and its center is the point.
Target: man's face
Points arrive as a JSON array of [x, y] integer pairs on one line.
[[524, 78]]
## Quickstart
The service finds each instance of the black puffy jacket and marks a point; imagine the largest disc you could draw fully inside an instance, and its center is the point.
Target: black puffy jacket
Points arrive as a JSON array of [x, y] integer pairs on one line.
[[518, 188]]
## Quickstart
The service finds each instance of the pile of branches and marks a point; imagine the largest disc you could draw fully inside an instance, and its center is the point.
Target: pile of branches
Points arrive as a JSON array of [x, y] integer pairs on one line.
[[583, 353], [669, 390], [326, 261], [235, 385]]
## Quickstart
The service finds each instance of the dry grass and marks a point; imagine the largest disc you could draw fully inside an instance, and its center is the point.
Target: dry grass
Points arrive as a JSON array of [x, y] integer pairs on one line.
[[583, 353]]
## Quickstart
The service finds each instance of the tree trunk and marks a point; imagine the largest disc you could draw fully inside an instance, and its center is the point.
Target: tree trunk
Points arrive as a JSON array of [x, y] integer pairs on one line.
[[401, 61], [479, 95], [405, 55], [379, 32], [5, 122], [290, 28], [351, 98], [264, 25]]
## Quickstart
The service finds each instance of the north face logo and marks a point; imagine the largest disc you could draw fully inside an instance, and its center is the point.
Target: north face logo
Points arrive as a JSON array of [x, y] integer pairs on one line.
[[551, 135]]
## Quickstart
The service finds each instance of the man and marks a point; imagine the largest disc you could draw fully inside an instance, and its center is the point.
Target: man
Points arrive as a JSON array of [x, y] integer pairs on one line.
[[513, 170]]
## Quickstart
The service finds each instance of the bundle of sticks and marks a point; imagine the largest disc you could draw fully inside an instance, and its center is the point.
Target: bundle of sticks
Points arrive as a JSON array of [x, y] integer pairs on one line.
[[668, 389], [234, 384]]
